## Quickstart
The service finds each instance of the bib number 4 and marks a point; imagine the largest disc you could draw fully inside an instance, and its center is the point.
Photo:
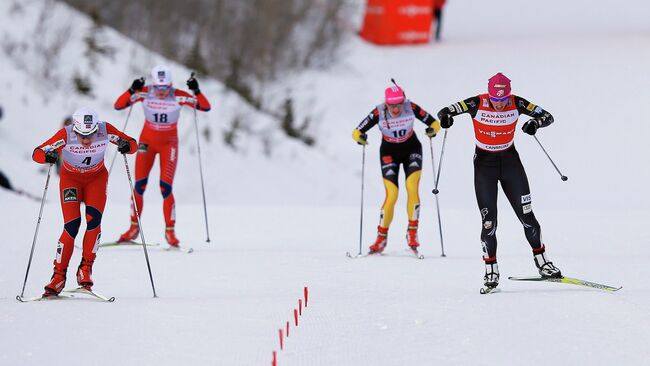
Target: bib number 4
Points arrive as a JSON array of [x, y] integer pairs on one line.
[[86, 160]]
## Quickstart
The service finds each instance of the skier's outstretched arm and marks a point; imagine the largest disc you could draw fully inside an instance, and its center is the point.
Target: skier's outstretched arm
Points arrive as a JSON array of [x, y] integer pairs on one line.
[[48, 151], [543, 117], [121, 139]]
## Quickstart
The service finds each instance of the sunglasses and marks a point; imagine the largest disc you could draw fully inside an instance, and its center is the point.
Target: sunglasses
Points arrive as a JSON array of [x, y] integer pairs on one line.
[[162, 87], [394, 105], [499, 99]]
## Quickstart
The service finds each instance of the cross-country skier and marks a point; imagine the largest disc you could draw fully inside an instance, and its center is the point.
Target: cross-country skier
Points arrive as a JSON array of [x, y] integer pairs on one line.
[[399, 146], [495, 117], [83, 179], [162, 108]]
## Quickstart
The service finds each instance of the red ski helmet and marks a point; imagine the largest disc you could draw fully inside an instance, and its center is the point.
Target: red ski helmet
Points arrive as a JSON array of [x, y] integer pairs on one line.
[[394, 95], [498, 86]]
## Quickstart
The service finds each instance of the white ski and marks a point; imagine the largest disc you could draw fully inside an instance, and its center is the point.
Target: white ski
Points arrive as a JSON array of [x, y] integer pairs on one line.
[[172, 248]]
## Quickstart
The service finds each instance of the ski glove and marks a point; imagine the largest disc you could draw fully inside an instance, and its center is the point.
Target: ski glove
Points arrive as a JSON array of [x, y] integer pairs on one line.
[[51, 156], [433, 129], [193, 85], [123, 146], [446, 120], [137, 85], [531, 126], [360, 137]]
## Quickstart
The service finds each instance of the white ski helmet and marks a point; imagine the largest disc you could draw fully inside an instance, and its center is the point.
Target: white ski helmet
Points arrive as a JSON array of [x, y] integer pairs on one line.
[[84, 121], [161, 75]]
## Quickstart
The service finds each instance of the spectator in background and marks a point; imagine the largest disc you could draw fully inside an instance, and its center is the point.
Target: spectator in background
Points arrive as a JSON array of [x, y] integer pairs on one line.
[[4, 182], [437, 16]]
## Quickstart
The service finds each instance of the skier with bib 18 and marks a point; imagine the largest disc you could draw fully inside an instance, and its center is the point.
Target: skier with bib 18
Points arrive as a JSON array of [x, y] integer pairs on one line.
[[83, 179], [495, 117], [399, 146], [162, 108]]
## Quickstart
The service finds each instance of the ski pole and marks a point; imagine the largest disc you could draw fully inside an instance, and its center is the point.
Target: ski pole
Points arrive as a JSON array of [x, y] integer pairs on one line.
[[363, 168], [198, 148], [137, 215], [38, 224], [562, 176], [442, 154], [126, 122], [433, 166]]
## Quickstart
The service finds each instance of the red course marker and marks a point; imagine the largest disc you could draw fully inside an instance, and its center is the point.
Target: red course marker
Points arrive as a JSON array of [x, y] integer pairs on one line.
[[295, 316], [281, 343], [287, 329], [274, 361], [306, 295], [300, 307]]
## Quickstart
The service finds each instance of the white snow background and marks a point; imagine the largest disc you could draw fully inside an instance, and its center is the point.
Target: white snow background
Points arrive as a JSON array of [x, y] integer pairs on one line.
[[285, 221]]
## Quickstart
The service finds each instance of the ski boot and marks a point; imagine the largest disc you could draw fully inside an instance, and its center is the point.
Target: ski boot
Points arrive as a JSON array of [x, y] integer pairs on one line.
[[382, 240], [546, 269], [170, 236], [130, 234], [491, 278], [84, 274], [412, 235], [56, 284]]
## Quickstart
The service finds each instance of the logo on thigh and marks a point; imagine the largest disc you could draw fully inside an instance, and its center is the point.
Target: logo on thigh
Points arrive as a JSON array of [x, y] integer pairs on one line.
[[143, 148], [70, 195], [525, 199]]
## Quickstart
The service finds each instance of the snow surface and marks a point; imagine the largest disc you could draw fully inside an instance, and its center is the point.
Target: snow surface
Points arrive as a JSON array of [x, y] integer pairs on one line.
[[282, 222]]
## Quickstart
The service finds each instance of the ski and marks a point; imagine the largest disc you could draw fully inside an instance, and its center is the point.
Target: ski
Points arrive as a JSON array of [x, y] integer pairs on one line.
[[125, 244], [81, 290], [413, 253], [67, 294], [570, 281], [173, 248], [488, 290], [360, 255], [38, 298]]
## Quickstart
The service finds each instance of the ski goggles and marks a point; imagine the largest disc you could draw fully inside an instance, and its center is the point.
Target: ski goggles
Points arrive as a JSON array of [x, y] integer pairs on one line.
[[499, 99], [162, 87]]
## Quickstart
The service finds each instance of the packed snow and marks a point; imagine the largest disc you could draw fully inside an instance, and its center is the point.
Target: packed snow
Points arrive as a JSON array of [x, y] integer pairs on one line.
[[283, 221]]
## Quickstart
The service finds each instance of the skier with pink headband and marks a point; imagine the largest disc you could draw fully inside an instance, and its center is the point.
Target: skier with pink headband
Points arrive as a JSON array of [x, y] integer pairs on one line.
[[399, 146], [495, 117]]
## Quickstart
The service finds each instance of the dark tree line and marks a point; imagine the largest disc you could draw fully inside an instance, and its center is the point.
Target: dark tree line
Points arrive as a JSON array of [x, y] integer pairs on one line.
[[244, 43]]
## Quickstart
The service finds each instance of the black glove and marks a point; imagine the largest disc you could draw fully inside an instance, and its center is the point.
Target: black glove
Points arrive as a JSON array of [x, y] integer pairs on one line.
[[363, 139], [123, 146], [193, 85], [446, 121], [137, 85], [51, 156], [531, 126]]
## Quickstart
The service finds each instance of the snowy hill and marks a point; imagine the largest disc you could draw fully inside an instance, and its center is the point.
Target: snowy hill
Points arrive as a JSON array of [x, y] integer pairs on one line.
[[282, 222]]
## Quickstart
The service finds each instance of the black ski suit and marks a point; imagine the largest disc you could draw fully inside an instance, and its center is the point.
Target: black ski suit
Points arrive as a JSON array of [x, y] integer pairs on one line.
[[496, 160]]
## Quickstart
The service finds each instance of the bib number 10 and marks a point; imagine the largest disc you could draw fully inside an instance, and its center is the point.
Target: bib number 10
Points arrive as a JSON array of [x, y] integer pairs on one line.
[[160, 117], [400, 133]]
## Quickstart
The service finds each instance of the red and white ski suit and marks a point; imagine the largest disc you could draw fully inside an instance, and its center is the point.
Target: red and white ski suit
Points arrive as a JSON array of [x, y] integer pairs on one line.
[[83, 179], [159, 136]]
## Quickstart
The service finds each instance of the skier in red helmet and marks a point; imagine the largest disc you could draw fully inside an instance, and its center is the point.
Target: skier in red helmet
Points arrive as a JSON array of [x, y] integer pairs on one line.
[[495, 115]]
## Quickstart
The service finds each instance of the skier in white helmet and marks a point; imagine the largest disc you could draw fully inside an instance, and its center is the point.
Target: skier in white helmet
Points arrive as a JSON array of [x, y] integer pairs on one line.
[[162, 105], [82, 145]]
